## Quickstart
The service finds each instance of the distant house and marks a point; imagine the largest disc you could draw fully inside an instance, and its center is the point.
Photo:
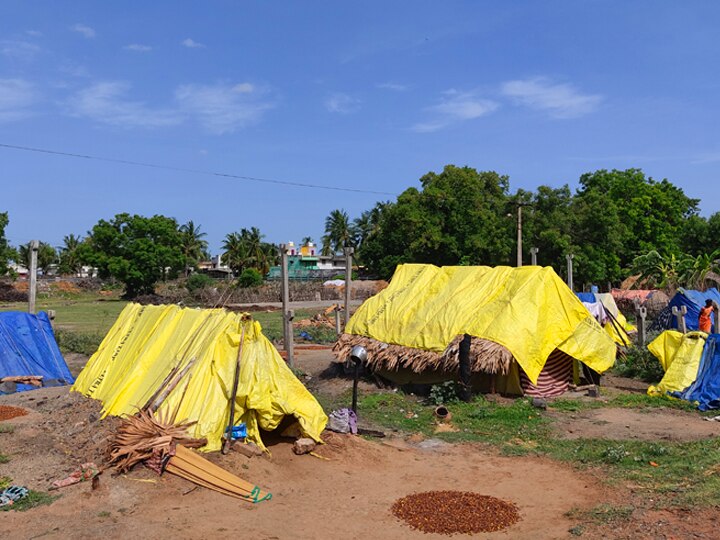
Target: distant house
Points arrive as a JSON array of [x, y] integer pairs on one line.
[[215, 268], [305, 263]]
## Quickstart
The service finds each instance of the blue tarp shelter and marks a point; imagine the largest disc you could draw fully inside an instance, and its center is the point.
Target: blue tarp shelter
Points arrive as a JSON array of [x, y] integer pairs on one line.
[[28, 347], [706, 388], [694, 301]]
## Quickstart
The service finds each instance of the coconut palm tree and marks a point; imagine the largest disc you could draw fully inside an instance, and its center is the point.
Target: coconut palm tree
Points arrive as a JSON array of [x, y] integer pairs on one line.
[[339, 232], [69, 261], [193, 244]]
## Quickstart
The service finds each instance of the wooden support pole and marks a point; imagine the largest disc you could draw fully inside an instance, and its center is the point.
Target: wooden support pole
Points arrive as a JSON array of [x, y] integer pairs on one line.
[[569, 258], [286, 311], [641, 313], [465, 369], [32, 293], [338, 329], [348, 282], [519, 236]]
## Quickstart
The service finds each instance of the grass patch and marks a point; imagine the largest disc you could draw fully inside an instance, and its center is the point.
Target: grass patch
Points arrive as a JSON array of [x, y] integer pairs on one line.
[[602, 514], [7, 428], [4, 458], [622, 401], [272, 326], [77, 342], [33, 500], [5, 482], [514, 427], [672, 473]]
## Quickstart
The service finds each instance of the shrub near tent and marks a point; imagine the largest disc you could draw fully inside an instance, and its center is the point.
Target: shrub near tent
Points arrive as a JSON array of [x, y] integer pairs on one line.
[[148, 344]]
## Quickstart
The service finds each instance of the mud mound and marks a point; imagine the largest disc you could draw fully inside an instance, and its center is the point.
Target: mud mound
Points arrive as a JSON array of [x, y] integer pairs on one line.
[[7, 412]]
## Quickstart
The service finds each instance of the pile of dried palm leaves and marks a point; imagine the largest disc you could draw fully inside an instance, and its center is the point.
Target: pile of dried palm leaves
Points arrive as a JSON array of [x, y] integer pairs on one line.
[[146, 436], [163, 446], [485, 356]]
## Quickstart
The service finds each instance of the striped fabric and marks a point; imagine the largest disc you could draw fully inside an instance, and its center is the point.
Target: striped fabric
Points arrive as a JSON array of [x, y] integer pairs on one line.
[[554, 377]]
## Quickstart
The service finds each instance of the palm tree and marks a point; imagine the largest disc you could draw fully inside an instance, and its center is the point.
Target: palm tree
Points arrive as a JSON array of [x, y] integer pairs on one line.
[[193, 244], [307, 240], [247, 249], [70, 262], [368, 223], [339, 232], [235, 255]]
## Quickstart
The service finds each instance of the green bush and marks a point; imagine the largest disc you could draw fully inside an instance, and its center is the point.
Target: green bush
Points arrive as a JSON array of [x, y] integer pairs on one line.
[[442, 394], [639, 363], [77, 342], [197, 281], [250, 278]]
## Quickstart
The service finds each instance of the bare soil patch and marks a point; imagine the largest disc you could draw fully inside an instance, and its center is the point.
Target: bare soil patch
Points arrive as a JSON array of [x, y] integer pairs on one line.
[[632, 424]]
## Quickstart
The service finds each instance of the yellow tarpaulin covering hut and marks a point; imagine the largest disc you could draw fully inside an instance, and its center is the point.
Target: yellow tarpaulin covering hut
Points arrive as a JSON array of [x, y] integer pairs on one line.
[[147, 343], [679, 354], [530, 311]]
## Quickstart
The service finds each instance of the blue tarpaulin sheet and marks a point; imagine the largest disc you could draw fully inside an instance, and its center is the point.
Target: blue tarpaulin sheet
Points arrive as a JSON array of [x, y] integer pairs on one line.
[[706, 388], [694, 301], [588, 297], [28, 347]]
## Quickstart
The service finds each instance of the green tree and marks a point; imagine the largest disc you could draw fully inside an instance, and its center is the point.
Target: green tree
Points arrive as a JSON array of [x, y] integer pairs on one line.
[[619, 215], [193, 244], [339, 232], [69, 259], [7, 253], [46, 256], [136, 250], [458, 217], [247, 249]]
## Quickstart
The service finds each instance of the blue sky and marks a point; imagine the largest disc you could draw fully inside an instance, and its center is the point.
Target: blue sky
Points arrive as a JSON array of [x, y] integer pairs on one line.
[[367, 95]]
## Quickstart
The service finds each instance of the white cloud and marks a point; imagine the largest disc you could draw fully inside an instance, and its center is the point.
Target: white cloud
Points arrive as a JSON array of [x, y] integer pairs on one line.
[[392, 86], [105, 102], [18, 50], [192, 44], [137, 47], [86, 31], [223, 108], [16, 97], [34, 33], [455, 107], [560, 100], [341, 103]]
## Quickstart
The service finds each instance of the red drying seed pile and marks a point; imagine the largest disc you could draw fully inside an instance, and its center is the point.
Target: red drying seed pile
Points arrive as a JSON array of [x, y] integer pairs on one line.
[[7, 412], [450, 512]]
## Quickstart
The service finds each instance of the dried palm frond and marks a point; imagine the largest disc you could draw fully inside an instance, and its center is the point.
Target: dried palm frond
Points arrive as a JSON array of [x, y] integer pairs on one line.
[[145, 436], [485, 356]]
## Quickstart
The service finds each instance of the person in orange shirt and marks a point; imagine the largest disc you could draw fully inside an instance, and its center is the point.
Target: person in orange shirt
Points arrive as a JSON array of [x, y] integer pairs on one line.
[[704, 321]]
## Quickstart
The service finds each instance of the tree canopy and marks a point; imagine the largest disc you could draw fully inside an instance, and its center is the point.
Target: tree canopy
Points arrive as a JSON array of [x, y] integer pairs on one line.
[[136, 250], [7, 253]]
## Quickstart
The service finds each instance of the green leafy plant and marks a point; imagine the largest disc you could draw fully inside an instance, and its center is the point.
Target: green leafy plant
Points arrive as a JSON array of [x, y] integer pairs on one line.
[[444, 393], [197, 281], [250, 277]]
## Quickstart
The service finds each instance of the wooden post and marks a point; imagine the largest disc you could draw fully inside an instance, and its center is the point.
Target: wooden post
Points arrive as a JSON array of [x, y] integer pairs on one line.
[[641, 315], [569, 258], [32, 293], [338, 330], [716, 312], [679, 315], [533, 255], [348, 282], [465, 369], [286, 311]]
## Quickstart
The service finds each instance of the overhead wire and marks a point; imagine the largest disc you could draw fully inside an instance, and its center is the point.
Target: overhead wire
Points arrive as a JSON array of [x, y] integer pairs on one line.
[[193, 171]]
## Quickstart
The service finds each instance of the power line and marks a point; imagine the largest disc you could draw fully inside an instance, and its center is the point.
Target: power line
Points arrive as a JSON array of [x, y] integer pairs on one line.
[[193, 171]]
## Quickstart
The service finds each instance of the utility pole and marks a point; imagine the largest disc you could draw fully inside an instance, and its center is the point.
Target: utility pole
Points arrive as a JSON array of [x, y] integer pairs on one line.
[[348, 281], [32, 294], [569, 258], [288, 314], [533, 255]]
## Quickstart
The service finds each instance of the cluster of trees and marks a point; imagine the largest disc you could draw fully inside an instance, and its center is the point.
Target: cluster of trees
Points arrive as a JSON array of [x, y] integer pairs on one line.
[[616, 223], [140, 251], [464, 217]]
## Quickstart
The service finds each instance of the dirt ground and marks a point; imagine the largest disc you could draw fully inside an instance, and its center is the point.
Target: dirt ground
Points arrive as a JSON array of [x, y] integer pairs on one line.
[[347, 495]]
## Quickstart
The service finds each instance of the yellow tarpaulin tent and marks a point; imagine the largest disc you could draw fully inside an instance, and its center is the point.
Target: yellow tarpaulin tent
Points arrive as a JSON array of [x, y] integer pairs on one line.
[[528, 310], [147, 342], [618, 335], [679, 354]]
